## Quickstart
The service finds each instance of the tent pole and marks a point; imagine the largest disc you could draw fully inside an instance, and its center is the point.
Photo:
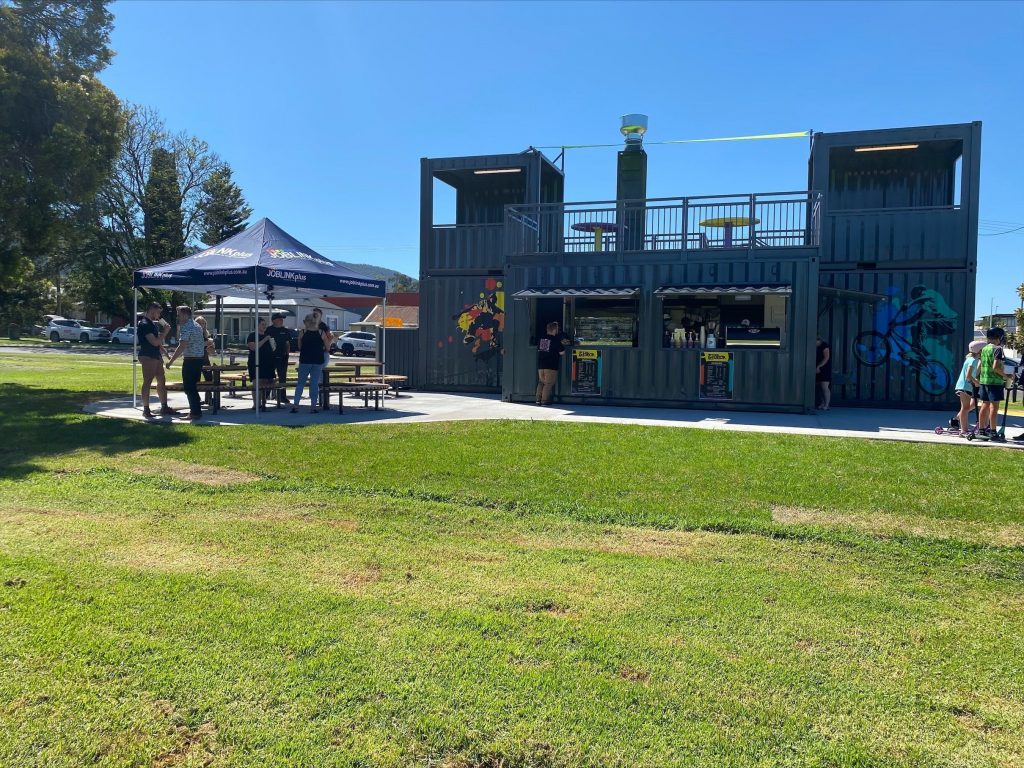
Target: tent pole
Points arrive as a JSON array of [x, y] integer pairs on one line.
[[218, 318], [135, 348], [383, 332], [256, 336]]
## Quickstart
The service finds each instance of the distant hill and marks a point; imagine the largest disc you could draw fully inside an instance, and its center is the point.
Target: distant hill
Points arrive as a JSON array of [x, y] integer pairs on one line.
[[383, 273]]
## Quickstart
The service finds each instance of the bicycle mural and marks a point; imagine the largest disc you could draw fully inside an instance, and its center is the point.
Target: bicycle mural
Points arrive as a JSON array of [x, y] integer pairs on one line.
[[912, 332]]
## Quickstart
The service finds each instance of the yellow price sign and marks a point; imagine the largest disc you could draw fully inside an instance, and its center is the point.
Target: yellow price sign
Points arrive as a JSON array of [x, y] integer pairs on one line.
[[585, 354], [393, 322], [716, 357]]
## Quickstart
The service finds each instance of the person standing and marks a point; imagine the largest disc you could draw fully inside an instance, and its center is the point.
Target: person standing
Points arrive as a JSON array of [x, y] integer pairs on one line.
[[282, 348], [993, 385], [192, 346], [311, 363], [550, 351], [151, 337], [318, 315], [267, 363], [823, 374]]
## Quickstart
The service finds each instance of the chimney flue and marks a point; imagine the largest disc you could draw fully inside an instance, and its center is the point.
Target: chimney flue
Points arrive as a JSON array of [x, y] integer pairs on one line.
[[633, 128]]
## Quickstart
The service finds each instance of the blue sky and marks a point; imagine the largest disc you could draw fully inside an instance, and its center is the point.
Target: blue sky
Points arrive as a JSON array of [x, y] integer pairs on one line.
[[323, 109]]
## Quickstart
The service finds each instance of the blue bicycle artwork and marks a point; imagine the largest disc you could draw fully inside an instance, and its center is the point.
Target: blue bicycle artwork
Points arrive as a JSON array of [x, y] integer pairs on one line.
[[925, 315]]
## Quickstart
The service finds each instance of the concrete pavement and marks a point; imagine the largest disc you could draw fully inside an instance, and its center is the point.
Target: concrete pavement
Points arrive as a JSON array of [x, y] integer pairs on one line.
[[418, 407]]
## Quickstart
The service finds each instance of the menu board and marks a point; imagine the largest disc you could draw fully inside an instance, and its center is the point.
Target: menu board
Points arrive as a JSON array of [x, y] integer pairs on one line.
[[715, 376], [586, 372]]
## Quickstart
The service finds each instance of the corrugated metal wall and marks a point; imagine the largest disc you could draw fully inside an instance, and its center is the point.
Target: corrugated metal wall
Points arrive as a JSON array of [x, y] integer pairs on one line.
[[461, 334], [651, 374], [466, 248], [401, 348], [901, 236], [938, 303]]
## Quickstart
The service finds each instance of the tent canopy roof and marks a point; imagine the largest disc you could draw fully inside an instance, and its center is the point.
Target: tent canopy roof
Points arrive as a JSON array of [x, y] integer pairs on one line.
[[263, 259]]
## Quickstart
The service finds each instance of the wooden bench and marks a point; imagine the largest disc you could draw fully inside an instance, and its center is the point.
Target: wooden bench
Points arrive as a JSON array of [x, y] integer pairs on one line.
[[231, 388], [366, 389], [393, 381]]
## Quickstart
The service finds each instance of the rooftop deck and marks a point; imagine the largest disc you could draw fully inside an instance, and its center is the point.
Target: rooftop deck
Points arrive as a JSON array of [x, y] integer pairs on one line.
[[751, 221]]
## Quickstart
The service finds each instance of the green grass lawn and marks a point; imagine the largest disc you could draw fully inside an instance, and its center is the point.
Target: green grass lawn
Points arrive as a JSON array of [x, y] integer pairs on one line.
[[495, 593]]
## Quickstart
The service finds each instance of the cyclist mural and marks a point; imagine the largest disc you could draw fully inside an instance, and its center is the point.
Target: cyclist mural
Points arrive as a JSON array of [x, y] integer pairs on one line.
[[914, 333]]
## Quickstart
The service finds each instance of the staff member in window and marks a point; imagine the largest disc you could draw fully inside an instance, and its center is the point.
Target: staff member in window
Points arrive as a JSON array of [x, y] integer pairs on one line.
[[550, 350]]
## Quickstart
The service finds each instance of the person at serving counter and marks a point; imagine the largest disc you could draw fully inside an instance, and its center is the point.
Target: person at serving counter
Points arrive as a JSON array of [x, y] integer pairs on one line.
[[550, 351]]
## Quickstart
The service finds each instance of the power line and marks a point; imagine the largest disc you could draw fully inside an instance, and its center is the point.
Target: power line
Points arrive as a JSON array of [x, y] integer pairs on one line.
[[995, 234]]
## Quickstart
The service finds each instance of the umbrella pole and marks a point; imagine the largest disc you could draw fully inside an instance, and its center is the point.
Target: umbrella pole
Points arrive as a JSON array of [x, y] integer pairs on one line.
[[135, 348]]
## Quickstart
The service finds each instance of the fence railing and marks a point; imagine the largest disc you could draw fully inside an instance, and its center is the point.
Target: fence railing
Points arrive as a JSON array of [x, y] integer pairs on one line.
[[772, 220]]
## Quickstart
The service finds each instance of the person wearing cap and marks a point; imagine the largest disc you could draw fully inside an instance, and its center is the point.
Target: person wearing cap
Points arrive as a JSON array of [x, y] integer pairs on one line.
[[992, 380], [282, 348], [967, 388]]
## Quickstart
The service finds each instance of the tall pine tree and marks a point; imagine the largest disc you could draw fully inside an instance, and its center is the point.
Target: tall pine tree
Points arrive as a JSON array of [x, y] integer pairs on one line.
[[224, 210], [165, 240]]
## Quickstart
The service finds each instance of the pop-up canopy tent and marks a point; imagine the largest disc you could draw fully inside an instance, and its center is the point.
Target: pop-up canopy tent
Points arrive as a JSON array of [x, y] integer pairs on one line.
[[264, 262]]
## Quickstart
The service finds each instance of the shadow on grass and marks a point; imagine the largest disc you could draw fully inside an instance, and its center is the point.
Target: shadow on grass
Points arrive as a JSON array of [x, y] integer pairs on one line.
[[41, 423]]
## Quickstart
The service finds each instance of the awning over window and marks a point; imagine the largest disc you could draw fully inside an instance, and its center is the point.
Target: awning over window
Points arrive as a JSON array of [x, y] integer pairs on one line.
[[724, 290], [592, 293], [848, 295]]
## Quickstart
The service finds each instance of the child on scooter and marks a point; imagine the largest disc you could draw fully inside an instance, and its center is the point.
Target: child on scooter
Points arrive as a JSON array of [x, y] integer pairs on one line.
[[967, 388], [992, 379]]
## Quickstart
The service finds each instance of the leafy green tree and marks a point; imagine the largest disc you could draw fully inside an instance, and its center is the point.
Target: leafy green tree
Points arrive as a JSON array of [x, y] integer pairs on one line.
[[224, 211], [162, 209], [401, 283], [59, 128]]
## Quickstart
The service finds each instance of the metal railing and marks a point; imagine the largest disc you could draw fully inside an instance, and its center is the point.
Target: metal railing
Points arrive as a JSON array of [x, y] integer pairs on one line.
[[771, 220]]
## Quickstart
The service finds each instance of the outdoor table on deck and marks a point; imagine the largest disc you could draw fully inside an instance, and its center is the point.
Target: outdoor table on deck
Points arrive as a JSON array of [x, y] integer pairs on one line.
[[726, 223], [598, 228]]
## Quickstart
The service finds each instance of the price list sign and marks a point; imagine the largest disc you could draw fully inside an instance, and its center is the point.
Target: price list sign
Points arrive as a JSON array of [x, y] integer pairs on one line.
[[715, 376], [586, 372]]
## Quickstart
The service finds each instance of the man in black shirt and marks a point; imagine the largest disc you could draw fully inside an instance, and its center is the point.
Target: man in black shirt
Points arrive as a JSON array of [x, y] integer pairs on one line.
[[823, 374], [282, 348], [550, 350], [150, 336]]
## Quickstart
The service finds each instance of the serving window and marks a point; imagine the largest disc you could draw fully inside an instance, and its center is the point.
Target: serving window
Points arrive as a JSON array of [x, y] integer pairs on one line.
[[592, 317], [701, 319], [605, 322]]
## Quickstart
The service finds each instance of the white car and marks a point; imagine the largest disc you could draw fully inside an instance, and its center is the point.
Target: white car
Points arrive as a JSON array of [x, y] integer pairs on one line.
[[124, 335], [357, 343], [75, 330]]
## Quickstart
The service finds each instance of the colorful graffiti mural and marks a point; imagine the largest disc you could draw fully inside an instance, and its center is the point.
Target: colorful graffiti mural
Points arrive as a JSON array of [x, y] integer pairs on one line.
[[913, 332], [482, 324]]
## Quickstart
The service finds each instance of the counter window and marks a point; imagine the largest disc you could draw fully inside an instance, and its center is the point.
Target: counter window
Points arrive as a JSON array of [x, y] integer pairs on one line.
[[724, 320], [605, 322]]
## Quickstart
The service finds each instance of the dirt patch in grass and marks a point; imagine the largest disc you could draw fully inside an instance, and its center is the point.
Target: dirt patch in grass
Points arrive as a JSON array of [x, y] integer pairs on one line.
[[347, 580], [300, 513], [204, 474], [164, 556], [634, 675], [653, 543], [883, 523]]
